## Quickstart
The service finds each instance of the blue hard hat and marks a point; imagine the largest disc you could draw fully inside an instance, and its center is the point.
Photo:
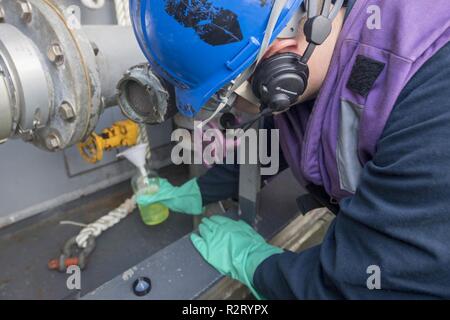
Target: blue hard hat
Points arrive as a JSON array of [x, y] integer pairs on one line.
[[199, 46]]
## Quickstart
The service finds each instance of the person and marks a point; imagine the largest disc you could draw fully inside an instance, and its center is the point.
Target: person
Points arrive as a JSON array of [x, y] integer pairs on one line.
[[370, 128]]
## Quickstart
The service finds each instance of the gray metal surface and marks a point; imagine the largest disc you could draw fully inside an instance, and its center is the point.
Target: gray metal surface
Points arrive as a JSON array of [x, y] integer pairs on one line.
[[103, 16], [179, 272], [26, 247], [6, 120], [34, 180], [249, 188], [176, 272], [115, 55], [27, 76], [249, 185], [49, 180]]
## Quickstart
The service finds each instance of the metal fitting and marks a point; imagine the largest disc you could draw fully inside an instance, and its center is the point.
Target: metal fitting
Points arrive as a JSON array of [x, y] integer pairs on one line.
[[52, 142], [143, 97], [73, 255], [2, 14], [25, 11], [55, 54], [67, 112]]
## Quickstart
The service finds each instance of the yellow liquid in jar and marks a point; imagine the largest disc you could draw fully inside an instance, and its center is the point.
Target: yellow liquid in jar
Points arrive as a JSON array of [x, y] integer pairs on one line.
[[155, 213]]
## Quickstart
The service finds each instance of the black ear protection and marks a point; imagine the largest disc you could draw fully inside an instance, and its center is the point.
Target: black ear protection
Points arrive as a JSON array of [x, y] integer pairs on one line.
[[280, 80]]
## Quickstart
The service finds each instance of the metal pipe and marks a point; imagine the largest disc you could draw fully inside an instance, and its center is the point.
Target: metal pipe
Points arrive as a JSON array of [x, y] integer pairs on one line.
[[6, 111], [56, 77], [25, 82], [116, 50]]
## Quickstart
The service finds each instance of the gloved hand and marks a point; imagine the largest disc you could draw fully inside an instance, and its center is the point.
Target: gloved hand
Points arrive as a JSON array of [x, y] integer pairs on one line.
[[185, 199], [233, 248]]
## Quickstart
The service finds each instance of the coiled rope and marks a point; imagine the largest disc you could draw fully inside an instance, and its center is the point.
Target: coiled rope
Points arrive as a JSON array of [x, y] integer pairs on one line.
[[104, 223]]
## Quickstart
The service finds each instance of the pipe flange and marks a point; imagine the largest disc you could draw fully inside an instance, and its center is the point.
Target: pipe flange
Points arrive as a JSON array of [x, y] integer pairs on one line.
[[70, 69], [142, 96], [6, 118], [27, 79]]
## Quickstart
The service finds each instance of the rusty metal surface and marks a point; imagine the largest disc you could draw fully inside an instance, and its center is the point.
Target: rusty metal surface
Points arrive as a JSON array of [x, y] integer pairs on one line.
[[26, 247]]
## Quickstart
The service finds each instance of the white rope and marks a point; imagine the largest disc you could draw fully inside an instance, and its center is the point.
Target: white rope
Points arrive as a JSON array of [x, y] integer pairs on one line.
[[143, 138], [73, 223], [123, 13], [104, 223]]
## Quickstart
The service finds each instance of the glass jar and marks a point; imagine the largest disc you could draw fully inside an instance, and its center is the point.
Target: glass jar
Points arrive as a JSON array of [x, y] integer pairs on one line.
[[151, 214]]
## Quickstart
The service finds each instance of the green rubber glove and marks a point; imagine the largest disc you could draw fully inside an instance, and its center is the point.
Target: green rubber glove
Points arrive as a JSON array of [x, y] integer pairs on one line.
[[185, 199], [233, 248]]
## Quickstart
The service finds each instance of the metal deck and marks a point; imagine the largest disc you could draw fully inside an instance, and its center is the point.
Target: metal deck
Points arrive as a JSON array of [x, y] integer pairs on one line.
[[26, 246]]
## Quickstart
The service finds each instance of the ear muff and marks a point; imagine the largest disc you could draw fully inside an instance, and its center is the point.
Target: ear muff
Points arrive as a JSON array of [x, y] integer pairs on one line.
[[280, 80]]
